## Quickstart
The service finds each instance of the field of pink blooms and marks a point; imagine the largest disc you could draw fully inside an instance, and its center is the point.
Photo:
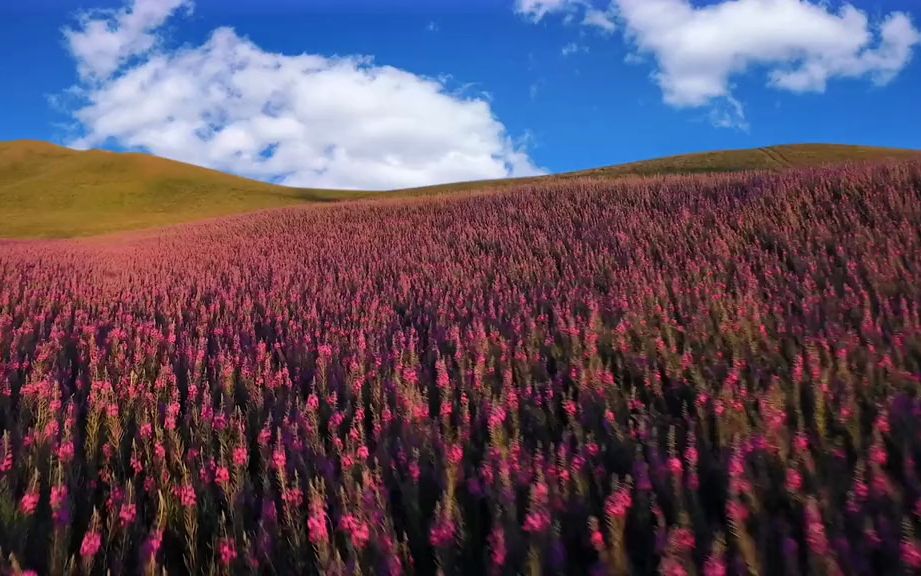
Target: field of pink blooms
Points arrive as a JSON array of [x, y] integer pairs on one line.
[[703, 375]]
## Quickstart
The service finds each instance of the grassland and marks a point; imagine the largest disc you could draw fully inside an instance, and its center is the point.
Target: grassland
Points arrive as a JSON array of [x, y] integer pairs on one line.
[[47, 191], [51, 191], [769, 158]]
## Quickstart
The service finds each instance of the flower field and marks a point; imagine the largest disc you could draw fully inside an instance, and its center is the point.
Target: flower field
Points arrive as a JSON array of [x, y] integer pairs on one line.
[[710, 375]]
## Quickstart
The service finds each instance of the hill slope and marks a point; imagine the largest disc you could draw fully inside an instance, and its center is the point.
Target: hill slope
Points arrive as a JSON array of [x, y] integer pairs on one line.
[[50, 191], [769, 158]]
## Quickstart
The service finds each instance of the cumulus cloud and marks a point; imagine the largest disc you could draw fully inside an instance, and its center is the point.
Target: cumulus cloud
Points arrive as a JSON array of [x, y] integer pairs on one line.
[[802, 44], [304, 120], [699, 48], [106, 39], [603, 20]]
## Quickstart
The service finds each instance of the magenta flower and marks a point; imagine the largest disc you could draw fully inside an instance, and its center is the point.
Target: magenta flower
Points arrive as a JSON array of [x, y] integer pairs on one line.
[[222, 476], [497, 547], [537, 522], [715, 567], [911, 555], [58, 496], [227, 551], [240, 456], [815, 530], [675, 466], [186, 495], [66, 452], [91, 544], [127, 514], [619, 503], [152, 546], [316, 526], [597, 540], [511, 352], [29, 503], [279, 458], [441, 534]]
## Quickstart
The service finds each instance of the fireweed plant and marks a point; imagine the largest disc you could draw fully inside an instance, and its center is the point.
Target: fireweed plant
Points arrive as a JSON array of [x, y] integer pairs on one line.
[[708, 375]]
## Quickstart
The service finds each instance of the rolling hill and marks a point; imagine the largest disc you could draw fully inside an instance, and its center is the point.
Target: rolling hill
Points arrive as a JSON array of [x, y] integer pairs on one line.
[[48, 191], [52, 191], [769, 158]]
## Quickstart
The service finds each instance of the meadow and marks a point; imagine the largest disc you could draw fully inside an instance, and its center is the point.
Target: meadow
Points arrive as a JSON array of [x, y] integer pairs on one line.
[[48, 191], [711, 374]]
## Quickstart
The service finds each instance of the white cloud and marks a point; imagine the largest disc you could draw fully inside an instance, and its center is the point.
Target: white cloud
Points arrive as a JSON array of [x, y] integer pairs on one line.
[[699, 49], [603, 20], [802, 44], [305, 120], [536, 10], [728, 113], [106, 39], [573, 48], [534, 90]]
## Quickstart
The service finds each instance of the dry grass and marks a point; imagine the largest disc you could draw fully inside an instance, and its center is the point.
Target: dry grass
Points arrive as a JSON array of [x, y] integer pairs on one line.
[[770, 158], [48, 191]]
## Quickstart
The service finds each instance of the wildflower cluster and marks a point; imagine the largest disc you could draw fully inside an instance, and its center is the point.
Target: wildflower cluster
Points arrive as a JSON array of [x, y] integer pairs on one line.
[[682, 375]]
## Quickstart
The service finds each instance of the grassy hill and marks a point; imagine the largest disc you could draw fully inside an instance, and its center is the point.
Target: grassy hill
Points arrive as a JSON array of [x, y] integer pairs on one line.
[[50, 191], [770, 158]]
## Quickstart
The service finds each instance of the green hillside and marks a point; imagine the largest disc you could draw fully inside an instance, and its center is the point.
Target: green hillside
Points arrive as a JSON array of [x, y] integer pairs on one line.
[[771, 158], [52, 192]]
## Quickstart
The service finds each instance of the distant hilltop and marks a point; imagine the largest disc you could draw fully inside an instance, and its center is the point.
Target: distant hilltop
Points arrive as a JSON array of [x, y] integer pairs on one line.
[[54, 192]]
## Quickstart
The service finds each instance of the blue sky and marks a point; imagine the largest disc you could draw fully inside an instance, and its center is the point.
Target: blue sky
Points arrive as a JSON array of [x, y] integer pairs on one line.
[[456, 89]]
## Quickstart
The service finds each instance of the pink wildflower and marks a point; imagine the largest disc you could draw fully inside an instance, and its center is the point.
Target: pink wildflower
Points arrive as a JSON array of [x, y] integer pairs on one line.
[[127, 514], [442, 534], [186, 495], [279, 458], [91, 544], [497, 547], [222, 476], [58, 496], [29, 503], [227, 551], [597, 540], [675, 466], [878, 455], [715, 567], [911, 555], [815, 531], [536, 522], [66, 451], [618, 504], [316, 526]]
